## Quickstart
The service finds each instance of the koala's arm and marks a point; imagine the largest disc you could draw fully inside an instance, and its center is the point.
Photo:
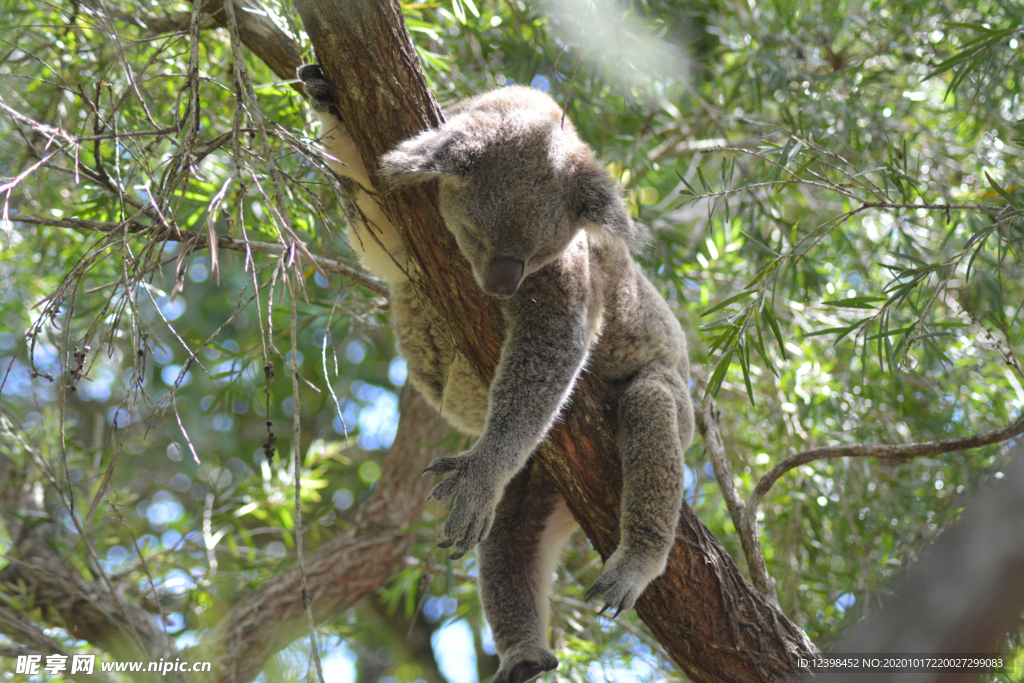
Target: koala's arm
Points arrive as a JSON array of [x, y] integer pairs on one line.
[[546, 345], [543, 354]]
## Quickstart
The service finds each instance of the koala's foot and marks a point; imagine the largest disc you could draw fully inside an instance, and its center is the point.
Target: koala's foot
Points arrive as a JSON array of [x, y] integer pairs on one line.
[[624, 578], [320, 91], [476, 497], [523, 662]]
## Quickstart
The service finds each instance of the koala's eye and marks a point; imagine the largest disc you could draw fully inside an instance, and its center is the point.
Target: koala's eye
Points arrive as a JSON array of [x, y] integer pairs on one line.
[[473, 238], [541, 256]]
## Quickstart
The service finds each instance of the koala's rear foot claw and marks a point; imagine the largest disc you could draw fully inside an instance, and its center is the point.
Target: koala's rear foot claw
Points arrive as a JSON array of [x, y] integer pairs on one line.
[[523, 663], [619, 585], [626, 574], [319, 90]]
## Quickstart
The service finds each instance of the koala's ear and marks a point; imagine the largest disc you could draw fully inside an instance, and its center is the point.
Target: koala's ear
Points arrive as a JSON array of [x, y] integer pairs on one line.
[[594, 197], [431, 155]]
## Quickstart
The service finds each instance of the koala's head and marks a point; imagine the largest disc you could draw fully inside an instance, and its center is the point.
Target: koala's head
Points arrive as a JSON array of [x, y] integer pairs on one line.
[[515, 186]]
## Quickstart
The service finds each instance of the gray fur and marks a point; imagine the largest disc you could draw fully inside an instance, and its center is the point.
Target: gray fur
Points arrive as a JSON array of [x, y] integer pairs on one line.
[[546, 232]]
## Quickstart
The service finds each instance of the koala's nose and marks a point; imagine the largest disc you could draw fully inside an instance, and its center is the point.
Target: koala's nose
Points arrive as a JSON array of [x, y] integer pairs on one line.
[[503, 277]]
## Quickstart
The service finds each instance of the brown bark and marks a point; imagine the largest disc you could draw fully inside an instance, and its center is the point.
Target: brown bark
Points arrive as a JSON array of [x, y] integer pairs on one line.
[[708, 618]]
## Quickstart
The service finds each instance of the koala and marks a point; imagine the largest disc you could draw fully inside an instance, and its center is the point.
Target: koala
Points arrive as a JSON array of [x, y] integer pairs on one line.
[[546, 233]]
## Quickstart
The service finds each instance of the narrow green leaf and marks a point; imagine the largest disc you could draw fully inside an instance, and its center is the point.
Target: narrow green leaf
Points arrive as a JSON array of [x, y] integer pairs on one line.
[[855, 302], [745, 367], [774, 324], [683, 181], [1003, 193], [728, 301], [764, 272], [703, 181], [759, 344], [718, 376], [829, 330]]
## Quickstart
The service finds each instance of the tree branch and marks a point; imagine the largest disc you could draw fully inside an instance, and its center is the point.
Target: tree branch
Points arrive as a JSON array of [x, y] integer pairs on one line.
[[266, 38], [21, 630], [885, 451], [352, 564], [708, 425], [88, 610], [196, 240], [963, 597]]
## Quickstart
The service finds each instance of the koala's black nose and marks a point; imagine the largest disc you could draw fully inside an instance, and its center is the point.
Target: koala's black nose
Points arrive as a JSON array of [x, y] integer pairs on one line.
[[503, 277]]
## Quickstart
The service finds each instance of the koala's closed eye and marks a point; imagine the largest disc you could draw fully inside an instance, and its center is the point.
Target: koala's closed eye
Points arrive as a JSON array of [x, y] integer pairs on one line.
[[541, 256], [473, 237]]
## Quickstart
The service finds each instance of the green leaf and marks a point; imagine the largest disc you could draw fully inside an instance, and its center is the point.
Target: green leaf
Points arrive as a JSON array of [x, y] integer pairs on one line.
[[855, 302], [703, 181], [718, 375], [972, 47], [744, 357], [730, 300], [684, 182], [769, 315], [1003, 193]]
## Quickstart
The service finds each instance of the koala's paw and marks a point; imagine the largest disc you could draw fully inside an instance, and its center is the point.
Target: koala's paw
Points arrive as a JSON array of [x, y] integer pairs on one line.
[[476, 498], [320, 91], [523, 663], [622, 581]]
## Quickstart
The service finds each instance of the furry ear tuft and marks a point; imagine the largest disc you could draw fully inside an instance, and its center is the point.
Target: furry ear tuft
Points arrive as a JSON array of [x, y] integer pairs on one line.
[[430, 155], [594, 197]]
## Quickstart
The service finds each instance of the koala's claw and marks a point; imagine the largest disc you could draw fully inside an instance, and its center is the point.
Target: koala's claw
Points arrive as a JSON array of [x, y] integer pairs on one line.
[[475, 501], [443, 465], [446, 489], [320, 91], [619, 593]]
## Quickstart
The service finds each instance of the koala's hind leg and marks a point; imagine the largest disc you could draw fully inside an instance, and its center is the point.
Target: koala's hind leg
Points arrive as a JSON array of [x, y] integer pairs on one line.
[[370, 234], [516, 562], [655, 427]]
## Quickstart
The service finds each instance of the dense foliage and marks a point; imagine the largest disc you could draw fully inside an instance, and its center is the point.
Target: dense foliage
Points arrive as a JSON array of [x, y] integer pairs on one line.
[[835, 195]]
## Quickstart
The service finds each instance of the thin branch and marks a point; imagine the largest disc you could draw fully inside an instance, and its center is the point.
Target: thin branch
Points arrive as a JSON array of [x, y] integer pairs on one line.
[[300, 558], [708, 424], [886, 451], [196, 240]]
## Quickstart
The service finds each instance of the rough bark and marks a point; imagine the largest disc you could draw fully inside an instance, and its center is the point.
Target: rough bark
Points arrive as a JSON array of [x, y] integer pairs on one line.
[[708, 618]]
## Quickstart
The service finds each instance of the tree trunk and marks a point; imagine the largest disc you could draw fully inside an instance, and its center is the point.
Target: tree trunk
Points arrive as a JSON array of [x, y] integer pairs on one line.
[[709, 619]]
